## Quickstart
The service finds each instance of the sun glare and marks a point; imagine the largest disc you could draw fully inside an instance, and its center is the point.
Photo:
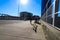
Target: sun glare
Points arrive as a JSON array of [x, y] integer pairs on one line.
[[24, 2]]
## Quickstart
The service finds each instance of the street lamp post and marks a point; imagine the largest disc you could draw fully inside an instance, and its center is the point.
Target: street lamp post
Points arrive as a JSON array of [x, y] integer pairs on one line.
[[18, 8]]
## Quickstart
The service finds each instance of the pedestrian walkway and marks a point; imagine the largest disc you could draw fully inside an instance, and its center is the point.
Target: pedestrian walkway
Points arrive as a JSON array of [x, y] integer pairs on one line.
[[21, 31]]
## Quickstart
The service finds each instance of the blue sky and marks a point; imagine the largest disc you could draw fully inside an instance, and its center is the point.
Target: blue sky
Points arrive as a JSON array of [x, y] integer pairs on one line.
[[11, 7]]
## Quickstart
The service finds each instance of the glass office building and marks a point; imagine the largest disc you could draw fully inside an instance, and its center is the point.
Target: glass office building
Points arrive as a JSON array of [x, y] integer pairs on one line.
[[50, 12]]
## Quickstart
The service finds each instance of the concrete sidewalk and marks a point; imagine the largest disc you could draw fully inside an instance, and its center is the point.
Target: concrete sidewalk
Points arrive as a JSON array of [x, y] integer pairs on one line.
[[20, 31]]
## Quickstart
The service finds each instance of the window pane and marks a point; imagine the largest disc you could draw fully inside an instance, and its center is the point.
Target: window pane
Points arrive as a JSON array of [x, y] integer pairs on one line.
[[59, 9]]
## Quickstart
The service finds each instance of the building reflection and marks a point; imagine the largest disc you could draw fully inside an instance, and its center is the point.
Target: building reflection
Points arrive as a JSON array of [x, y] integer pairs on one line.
[[48, 10]]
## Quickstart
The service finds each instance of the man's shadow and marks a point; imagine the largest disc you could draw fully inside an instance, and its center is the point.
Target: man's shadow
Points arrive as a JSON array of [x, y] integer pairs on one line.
[[34, 27]]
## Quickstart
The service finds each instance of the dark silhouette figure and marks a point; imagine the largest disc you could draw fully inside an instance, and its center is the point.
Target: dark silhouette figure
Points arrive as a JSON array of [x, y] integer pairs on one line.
[[35, 28], [36, 21]]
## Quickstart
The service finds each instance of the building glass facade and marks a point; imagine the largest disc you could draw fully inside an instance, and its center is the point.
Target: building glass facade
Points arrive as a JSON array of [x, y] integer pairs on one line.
[[50, 12], [59, 9]]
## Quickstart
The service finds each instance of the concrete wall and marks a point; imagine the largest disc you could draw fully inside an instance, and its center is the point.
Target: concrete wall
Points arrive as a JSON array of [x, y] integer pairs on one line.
[[51, 33]]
